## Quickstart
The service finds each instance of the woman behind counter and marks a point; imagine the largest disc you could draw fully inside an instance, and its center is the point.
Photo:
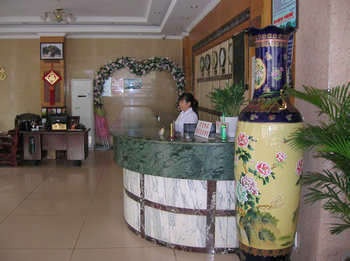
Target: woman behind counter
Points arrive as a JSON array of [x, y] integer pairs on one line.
[[188, 106]]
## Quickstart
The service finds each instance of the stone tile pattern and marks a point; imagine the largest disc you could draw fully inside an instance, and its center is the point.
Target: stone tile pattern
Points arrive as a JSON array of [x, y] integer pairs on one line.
[[188, 214], [175, 159]]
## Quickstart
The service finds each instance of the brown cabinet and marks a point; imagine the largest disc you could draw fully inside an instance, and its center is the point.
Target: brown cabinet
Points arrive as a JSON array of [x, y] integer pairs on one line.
[[36, 144]]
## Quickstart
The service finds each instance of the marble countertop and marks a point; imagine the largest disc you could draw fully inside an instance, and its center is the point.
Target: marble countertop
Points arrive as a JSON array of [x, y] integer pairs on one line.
[[145, 152]]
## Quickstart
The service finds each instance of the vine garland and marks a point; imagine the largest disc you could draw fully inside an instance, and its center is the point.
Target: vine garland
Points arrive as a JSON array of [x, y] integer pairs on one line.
[[139, 68]]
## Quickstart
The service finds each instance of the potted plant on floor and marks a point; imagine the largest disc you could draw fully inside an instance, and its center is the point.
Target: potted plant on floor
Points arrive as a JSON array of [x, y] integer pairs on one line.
[[228, 101], [330, 140]]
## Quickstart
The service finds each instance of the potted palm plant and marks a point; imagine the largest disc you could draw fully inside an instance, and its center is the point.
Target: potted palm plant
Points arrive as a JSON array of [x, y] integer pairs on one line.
[[228, 101], [330, 140]]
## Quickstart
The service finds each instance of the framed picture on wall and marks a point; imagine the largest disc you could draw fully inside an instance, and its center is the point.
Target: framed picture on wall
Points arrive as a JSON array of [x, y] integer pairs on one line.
[[73, 122], [51, 51]]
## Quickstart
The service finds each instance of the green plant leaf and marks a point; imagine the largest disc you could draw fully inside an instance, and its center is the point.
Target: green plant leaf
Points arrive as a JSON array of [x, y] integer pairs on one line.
[[229, 99], [330, 139]]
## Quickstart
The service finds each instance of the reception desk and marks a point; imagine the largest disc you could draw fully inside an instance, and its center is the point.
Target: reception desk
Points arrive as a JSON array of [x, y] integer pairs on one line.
[[179, 193]]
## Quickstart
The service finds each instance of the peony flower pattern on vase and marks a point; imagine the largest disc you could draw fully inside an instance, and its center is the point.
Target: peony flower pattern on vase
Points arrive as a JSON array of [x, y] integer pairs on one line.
[[254, 223]]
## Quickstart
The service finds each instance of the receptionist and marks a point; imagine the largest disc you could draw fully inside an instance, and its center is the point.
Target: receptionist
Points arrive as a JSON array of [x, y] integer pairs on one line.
[[189, 114]]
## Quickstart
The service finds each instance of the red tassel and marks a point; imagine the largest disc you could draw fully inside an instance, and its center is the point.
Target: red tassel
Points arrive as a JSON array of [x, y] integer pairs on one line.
[[52, 95]]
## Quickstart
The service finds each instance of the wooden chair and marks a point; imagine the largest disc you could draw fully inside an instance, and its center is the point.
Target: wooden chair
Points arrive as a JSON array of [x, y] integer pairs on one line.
[[9, 148]]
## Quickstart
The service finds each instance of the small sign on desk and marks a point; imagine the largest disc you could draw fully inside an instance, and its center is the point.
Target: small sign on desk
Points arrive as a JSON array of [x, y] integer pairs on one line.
[[203, 129]]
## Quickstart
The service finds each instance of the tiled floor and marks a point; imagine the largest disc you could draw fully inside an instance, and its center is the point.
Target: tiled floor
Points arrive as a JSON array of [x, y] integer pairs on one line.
[[58, 212]]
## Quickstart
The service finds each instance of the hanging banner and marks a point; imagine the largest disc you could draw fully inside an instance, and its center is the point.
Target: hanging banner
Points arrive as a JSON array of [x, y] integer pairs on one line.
[[51, 77]]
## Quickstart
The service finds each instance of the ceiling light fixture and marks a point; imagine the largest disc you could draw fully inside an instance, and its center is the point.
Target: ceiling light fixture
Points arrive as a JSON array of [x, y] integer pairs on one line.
[[58, 15]]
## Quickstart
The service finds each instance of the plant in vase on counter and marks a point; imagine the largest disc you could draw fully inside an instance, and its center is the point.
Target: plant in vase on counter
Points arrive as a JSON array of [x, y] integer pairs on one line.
[[228, 101]]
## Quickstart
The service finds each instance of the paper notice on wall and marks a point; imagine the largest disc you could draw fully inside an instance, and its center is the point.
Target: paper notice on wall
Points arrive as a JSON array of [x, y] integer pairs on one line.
[[107, 87], [117, 86]]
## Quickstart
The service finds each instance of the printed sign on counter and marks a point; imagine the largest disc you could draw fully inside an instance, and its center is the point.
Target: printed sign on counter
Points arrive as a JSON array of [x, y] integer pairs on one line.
[[203, 129]]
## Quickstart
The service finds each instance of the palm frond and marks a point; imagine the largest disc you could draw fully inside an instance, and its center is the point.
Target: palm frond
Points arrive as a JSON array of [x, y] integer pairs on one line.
[[331, 141], [339, 228], [334, 102]]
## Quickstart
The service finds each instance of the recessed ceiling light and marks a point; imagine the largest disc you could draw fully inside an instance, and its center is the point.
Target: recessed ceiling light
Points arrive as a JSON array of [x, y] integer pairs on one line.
[[194, 6]]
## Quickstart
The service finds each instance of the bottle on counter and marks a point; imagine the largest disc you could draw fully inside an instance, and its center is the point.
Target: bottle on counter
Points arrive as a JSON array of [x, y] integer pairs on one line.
[[172, 131], [223, 130]]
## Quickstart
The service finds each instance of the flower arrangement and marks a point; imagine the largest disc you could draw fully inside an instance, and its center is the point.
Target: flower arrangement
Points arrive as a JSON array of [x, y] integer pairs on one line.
[[139, 68]]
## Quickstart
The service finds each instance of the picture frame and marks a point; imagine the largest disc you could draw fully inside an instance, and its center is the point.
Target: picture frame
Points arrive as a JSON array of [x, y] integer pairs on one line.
[[51, 51], [132, 84], [73, 122]]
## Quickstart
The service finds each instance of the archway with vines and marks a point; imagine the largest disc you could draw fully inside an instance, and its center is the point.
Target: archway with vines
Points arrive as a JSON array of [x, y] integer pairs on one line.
[[140, 68]]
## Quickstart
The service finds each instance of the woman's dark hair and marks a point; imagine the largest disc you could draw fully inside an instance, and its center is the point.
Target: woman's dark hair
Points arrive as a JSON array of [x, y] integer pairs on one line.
[[188, 97]]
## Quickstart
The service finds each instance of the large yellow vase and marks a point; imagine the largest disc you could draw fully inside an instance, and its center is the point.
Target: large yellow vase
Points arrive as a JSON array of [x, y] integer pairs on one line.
[[267, 167]]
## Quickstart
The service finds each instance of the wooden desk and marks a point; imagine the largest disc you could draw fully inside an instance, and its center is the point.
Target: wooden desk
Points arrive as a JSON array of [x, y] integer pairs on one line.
[[35, 144]]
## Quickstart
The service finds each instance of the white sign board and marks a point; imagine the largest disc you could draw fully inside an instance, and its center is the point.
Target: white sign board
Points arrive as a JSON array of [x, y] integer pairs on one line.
[[203, 129]]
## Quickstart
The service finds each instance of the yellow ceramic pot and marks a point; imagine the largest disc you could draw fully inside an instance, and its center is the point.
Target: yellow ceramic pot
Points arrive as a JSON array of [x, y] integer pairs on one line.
[[267, 173]]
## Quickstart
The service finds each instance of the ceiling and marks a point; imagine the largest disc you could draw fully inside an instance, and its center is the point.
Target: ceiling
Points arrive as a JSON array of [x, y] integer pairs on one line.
[[104, 18]]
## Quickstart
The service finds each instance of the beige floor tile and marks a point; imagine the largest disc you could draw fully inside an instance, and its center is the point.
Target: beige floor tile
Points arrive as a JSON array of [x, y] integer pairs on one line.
[[34, 255], [66, 186], [20, 183], [127, 254], [53, 207], [2, 219], [108, 231], [39, 231], [10, 203], [190, 256], [106, 206]]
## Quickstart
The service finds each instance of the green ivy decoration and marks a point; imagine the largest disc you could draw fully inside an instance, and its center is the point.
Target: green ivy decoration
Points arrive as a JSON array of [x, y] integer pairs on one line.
[[139, 68]]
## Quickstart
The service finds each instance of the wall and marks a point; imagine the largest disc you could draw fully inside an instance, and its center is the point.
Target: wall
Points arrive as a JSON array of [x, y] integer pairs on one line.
[[20, 92], [322, 60], [85, 56]]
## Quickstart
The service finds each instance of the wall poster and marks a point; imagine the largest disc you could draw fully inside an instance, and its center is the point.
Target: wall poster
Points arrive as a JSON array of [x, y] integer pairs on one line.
[[284, 13]]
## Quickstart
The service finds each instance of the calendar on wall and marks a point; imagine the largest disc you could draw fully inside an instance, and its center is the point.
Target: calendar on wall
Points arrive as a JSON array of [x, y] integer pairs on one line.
[[217, 67]]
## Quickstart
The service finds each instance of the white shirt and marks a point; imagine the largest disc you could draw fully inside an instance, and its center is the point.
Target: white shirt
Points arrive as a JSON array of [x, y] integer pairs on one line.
[[188, 116]]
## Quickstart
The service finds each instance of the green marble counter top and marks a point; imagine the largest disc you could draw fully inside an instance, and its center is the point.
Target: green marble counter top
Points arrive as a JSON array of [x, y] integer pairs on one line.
[[201, 159]]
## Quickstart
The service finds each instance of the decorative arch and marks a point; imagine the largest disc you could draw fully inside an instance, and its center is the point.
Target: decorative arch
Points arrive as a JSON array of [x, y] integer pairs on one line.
[[139, 68]]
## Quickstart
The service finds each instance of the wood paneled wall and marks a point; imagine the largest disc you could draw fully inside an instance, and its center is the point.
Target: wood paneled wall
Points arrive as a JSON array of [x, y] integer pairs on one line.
[[221, 15], [226, 10]]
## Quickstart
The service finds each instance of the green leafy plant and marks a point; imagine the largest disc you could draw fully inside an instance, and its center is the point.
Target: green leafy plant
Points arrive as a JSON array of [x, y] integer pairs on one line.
[[229, 100], [331, 141]]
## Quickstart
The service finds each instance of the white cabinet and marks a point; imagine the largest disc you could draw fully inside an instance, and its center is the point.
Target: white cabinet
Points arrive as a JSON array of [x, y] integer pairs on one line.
[[83, 105]]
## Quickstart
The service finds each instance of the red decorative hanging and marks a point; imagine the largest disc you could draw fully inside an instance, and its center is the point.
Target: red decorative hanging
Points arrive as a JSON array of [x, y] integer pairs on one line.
[[52, 78]]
